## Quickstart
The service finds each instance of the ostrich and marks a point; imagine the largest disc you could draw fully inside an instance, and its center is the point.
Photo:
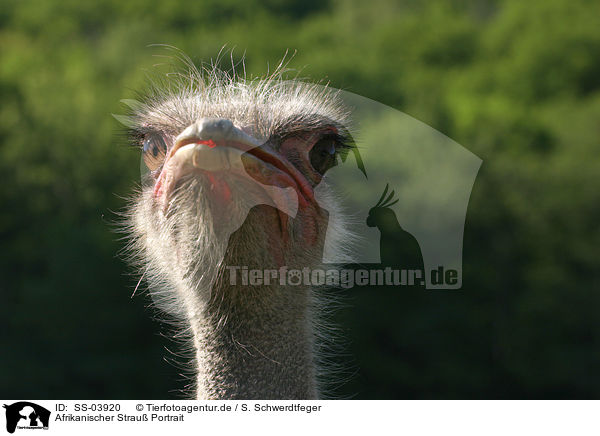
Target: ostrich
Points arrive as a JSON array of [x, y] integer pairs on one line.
[[232, 167]]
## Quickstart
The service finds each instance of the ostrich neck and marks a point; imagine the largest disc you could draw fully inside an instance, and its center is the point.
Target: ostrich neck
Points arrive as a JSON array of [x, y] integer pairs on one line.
[[254, 343]]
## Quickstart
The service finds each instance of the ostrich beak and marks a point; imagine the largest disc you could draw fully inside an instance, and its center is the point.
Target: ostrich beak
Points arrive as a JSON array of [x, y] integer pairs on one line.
[[215, 145]]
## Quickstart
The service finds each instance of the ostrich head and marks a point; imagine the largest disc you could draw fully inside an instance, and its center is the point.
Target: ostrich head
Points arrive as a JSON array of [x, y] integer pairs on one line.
[[232, 167]]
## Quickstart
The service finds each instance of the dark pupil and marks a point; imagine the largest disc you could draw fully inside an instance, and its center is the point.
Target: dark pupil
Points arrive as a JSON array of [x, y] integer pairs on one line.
[[154, 145], [323, 155]]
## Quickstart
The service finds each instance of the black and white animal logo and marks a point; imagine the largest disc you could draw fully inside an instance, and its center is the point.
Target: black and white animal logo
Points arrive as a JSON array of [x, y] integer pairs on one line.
[[27, 415]]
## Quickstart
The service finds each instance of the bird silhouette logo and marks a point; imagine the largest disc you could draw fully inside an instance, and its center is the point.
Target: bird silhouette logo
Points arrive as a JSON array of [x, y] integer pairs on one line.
[[397, 247]]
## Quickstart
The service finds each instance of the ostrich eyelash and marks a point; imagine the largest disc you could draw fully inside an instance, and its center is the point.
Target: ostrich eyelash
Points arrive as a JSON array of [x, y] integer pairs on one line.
[[341, 141]]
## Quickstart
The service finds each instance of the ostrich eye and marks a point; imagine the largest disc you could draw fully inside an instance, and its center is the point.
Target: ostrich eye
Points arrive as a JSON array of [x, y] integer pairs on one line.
[[323, 155], [154, 151]]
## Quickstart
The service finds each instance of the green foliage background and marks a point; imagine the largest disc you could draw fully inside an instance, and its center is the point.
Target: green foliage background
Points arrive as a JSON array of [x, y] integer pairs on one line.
[[517, 83]]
